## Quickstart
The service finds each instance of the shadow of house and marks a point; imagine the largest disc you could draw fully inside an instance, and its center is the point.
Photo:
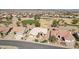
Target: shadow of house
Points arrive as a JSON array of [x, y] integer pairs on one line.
[[76, 35]]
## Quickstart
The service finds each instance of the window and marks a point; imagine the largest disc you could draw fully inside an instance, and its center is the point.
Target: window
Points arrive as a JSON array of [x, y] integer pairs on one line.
[[63, 38], [58, 36], [53, 29]]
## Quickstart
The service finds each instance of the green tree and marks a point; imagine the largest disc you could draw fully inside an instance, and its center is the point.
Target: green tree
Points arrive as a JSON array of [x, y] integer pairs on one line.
[[7, 18], [37, 24], [11, 17], [18, 23], [36, 17], [19, 19], [55, 23]]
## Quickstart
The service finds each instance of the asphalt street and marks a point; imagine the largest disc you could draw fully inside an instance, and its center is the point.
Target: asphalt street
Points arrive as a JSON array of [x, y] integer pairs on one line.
[[27, 45]]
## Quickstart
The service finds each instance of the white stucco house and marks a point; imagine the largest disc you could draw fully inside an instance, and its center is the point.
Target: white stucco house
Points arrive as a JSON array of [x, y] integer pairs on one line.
[[38, 33], [37, 30]]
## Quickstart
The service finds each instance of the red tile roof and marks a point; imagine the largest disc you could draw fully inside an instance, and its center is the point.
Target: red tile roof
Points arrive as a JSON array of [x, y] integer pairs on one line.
[[63, 33]]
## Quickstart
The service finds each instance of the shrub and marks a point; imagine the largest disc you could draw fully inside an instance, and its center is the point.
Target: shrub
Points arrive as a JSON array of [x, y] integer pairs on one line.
[[14, 32], [36, 40], [76, 45], [44, 41], [74, 21]]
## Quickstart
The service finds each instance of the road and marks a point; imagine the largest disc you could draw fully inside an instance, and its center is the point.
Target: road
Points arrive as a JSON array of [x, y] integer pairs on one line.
[[27, 45]]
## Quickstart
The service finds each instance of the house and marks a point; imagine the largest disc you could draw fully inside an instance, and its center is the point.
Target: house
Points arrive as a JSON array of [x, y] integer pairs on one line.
[[37, 30], [18, 32], [39, 33], [64, 36], [4, 30]]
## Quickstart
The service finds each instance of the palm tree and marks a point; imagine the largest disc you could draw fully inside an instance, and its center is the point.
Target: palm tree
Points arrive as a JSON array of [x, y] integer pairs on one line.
[[52, 39]]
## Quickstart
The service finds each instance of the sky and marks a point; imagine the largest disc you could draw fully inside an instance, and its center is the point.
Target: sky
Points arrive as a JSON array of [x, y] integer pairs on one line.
[[39, 4]]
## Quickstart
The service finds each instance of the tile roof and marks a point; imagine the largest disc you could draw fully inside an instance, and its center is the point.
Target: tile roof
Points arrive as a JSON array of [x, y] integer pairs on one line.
[[4, 29], [18, 29], [63, 33]]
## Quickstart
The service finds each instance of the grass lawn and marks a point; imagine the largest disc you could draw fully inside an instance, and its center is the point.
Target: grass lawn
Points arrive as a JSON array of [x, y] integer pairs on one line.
[[24, 22], [36, 22]]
